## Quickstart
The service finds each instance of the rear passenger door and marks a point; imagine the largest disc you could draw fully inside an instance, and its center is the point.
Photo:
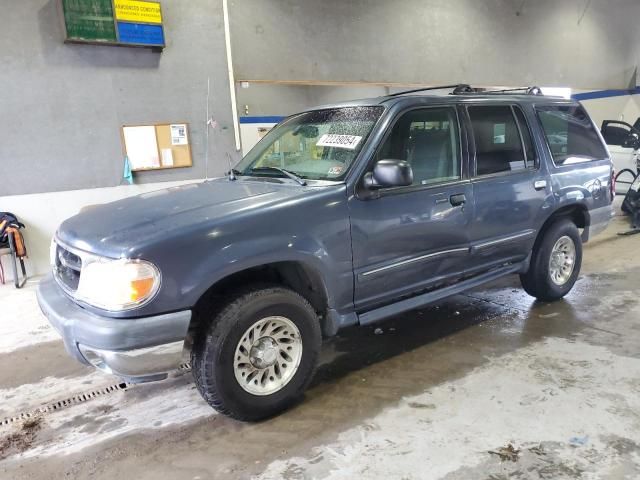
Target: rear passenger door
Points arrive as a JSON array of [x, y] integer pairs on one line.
[[509, 188]]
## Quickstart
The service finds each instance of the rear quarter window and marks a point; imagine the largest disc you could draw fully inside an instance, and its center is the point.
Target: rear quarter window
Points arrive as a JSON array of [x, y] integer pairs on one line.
[[570, 134]]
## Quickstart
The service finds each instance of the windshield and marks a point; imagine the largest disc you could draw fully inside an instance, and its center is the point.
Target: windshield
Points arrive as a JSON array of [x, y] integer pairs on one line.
[[317, 145]]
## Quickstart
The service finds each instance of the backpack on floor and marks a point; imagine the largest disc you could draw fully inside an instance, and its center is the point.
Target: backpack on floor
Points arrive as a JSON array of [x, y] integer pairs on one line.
[[631, 203]]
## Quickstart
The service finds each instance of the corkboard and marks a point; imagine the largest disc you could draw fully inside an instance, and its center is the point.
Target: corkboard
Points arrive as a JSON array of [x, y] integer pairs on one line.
[[180, 151]]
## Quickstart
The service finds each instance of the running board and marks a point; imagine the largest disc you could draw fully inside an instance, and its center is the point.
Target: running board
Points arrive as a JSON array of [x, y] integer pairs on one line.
[[412, 303]]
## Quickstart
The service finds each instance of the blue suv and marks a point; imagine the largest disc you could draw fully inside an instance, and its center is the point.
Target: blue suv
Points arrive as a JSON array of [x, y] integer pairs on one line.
[[341, 215]]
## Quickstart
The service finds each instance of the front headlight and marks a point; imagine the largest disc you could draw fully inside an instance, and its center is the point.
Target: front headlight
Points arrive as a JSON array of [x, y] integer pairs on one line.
[[118, 285]]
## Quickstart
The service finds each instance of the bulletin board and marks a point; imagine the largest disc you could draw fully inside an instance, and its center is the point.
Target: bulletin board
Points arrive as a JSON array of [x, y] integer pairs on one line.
[[130, 23], [157, 147]]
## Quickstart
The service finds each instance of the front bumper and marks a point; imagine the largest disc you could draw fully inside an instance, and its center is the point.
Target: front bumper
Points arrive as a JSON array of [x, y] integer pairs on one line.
[[138, 350]]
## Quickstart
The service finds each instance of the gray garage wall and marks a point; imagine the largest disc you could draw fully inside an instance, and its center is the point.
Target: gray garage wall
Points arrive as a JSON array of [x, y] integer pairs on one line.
[[590, 44], [61, 106], [272, 99]]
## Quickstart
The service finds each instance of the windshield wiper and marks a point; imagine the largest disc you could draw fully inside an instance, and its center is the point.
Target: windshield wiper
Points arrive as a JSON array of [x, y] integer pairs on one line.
[[289, 174]]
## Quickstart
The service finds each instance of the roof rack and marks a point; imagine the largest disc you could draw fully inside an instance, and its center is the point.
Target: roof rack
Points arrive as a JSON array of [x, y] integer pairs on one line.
[[424, 89], [463, 88], [525, 90]]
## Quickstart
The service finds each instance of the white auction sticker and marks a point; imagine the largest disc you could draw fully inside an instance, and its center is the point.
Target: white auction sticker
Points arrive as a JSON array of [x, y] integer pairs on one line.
[[341, 141]]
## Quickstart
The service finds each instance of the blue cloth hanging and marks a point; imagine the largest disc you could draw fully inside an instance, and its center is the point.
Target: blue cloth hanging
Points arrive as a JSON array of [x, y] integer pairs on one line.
[[127, 174]]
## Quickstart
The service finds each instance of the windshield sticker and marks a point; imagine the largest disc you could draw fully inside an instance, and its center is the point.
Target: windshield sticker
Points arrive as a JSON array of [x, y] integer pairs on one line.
[[335, 170], [349, 142]]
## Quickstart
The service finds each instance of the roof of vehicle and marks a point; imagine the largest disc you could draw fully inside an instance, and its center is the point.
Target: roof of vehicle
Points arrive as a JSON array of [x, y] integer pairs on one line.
[[408, 99]]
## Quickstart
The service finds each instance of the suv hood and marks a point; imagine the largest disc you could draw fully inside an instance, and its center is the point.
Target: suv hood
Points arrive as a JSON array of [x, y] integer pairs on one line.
[[116, 229]]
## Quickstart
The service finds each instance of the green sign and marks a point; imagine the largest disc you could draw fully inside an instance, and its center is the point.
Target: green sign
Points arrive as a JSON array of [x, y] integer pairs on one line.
[[89, 20]]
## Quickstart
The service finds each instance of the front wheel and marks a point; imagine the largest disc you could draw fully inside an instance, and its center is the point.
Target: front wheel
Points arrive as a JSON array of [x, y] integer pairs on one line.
[[256, 357], [555, 262]]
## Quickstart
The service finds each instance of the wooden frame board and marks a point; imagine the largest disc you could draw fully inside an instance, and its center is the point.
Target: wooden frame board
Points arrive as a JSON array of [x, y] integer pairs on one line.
[[142, 153]]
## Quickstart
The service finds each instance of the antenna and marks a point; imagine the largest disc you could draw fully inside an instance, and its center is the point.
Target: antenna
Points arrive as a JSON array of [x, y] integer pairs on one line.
[[206, 152]]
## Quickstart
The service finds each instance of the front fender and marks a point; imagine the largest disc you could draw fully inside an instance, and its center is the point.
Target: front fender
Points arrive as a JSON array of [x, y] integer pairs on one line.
[[334, 271], [313, 229]]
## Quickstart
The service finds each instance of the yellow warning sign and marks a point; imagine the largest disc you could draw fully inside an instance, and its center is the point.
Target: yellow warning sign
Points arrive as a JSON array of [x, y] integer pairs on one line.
[[138, 11]]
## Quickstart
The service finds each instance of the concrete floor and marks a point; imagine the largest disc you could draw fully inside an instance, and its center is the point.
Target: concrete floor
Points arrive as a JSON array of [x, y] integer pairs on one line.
[[486, 385]]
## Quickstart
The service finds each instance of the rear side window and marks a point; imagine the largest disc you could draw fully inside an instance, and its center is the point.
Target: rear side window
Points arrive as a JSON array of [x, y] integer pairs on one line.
[[499, 147], [570, 134]]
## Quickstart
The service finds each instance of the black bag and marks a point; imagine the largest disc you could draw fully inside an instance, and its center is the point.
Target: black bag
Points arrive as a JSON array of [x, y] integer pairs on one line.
[[8, 219], [631, 203]]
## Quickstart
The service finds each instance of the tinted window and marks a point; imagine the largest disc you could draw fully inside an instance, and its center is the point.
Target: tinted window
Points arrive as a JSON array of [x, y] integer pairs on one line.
[[526, 138], [615, 133], [427, 139], [570, 134], [498, 142]]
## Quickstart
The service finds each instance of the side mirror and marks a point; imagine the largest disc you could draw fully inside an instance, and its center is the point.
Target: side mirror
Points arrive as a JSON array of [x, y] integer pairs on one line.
[[389, 173], [632, 141]]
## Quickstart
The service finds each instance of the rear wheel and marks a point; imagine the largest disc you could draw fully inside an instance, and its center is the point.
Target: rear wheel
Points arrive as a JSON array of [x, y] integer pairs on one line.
[[256, 356], [555, 262]]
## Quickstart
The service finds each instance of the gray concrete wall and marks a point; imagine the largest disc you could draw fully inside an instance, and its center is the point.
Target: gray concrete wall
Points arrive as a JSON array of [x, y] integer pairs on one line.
[[588, 44], [273, 99], [61, 106]]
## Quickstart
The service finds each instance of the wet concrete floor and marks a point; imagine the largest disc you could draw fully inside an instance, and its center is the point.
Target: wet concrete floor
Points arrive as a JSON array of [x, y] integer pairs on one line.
[[486, 385]]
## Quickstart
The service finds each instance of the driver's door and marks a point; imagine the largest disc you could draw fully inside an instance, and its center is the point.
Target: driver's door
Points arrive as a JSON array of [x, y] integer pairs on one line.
[[406, 239], [624, 157]]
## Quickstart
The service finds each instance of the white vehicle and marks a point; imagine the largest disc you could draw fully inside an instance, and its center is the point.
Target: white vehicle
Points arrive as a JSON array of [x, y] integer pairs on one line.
[[623, 141]]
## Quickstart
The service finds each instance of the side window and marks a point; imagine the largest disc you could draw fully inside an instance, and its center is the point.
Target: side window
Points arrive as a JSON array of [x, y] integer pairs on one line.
[[570, 134], [615, 133], [529, 149], [497, 139], [428, 139]]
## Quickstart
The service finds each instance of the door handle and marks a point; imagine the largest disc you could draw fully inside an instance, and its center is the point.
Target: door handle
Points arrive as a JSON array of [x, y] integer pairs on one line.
[[457, 200], [540, 184]]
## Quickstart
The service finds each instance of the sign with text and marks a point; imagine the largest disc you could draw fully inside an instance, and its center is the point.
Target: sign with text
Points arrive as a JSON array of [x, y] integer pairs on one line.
[[138, 11], [89, 20], [136, 23], [140, 34]]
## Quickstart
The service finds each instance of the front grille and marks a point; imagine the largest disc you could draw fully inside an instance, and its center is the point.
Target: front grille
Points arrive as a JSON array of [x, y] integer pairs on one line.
[[67, 269]]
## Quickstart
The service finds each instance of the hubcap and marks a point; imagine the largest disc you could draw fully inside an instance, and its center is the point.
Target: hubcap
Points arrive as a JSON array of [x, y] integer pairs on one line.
[[562, 261], [268, 355]]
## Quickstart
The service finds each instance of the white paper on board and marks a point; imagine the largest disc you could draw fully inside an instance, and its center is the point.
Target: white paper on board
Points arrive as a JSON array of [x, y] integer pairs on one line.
[[142, 147], [167, 157], [179, 134]]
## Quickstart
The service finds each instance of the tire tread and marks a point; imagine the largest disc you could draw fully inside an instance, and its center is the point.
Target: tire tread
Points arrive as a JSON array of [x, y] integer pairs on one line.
[[221, 321], [536, 281]]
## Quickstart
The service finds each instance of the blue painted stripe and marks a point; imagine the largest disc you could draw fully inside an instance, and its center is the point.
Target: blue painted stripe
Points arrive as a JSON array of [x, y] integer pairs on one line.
[[605, 94], [266, 119]]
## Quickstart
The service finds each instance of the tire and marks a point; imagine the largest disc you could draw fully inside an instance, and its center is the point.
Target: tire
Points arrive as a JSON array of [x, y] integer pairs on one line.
[[540, 281], [219, 364]]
